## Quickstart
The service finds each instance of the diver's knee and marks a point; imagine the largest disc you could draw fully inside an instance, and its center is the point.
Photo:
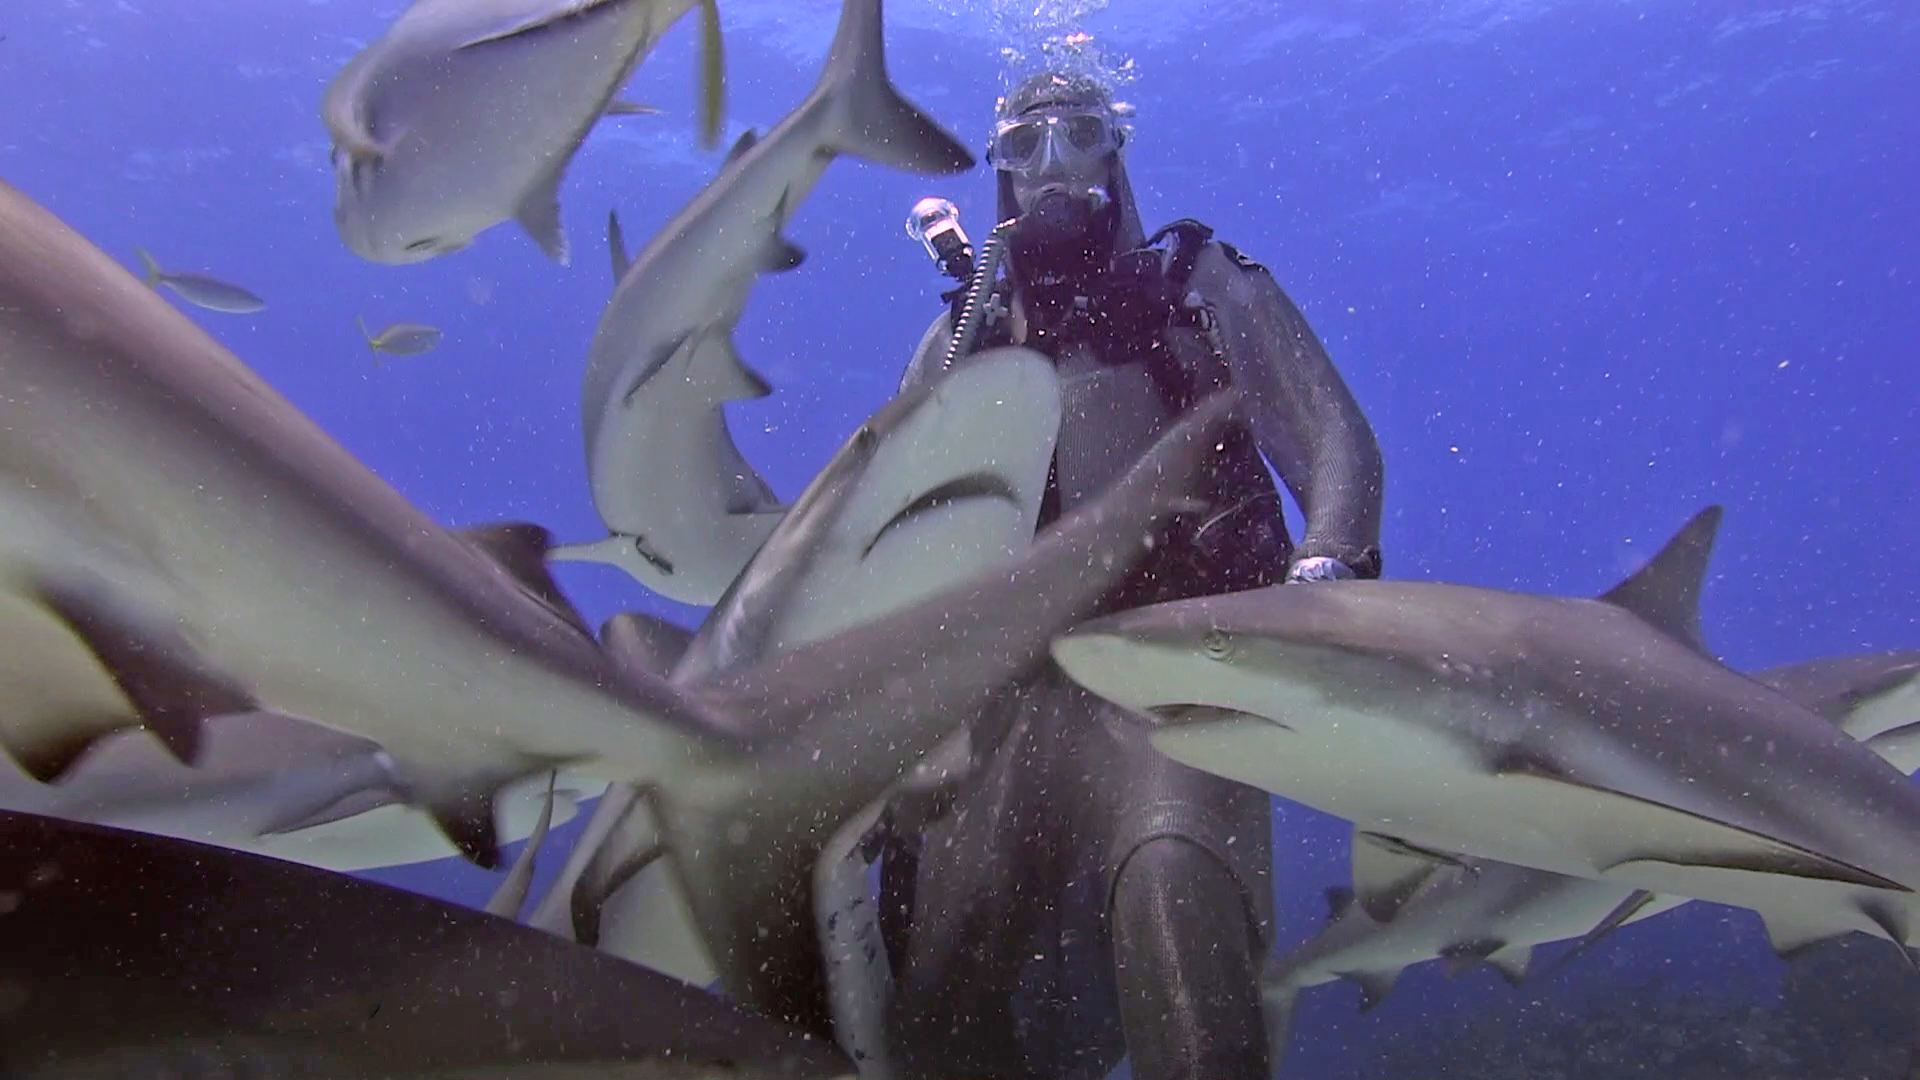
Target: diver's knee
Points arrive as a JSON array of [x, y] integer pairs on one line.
[[1173, 878]]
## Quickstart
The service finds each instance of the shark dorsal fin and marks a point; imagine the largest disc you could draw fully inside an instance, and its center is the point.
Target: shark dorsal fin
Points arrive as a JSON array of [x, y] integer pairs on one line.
[[1666, 591], [1339, 902], [521, 549], [740, 146], [1387, 871], [645, 643]]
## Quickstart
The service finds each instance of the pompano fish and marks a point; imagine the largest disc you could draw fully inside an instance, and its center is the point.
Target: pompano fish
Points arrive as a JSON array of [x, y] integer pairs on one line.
[[1403, 910], [199, 289], [178, 541], [1592, 738], [125, 954], [682, 514], [466, 113]]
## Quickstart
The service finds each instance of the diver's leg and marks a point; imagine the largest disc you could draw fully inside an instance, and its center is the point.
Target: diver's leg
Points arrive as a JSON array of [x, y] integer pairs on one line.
[[1187, 957]]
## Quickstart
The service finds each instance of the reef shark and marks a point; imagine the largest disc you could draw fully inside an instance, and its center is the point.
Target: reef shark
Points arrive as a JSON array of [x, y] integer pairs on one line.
[[1407, 908], [466, 113], [950, 486], [1592, 738], [179, 541], [276, 786], [683, 517], [126, 954], [871, 699]]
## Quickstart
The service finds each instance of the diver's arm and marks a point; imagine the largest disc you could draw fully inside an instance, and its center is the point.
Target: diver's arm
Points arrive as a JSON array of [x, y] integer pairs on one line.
[[1301, 413], [929, 354]]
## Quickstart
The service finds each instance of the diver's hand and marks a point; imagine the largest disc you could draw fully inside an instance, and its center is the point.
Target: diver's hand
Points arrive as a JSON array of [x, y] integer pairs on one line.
[[1319, 568]]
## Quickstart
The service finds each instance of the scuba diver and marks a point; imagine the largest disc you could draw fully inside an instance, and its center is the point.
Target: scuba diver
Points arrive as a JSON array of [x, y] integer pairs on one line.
[[1077, 896]]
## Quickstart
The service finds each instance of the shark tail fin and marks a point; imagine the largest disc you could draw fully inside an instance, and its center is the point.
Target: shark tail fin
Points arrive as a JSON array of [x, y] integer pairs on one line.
[[511, 896], [150, 271], [373, 343], [871, 120], [1276, 1007]]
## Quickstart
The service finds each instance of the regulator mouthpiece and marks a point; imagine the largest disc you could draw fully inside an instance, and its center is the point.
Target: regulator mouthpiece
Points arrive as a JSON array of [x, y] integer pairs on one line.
[[935, 222]]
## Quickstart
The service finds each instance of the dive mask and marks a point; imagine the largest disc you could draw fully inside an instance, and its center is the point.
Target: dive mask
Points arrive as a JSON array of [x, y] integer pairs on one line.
[[1071, 138]]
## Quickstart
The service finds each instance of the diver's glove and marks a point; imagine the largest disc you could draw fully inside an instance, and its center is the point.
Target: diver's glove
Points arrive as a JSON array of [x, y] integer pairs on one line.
[[1319, 568]]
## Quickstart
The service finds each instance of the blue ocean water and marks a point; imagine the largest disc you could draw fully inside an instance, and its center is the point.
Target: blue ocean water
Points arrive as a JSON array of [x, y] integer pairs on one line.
[[1587, 265]]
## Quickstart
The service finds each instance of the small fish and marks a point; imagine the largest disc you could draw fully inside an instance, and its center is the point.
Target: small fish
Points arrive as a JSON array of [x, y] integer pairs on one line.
[[400, 339], [201, 290]]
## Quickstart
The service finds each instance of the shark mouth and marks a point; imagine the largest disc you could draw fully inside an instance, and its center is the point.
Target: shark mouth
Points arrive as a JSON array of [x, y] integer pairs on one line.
[[960, 489], [1189, 715]]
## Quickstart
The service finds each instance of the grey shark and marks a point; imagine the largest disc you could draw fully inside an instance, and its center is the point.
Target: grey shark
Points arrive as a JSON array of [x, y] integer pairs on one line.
[[864, 704], [272, 785], [1405, 910], [178, 541], [695, 508], [1591, 738], [466, 113], [663, 360], [920, 522], [124, 954]]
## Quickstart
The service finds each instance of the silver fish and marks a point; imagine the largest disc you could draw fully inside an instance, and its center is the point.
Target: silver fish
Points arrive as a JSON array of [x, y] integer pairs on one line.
[[465, 114], [199, 289], [401, 339]]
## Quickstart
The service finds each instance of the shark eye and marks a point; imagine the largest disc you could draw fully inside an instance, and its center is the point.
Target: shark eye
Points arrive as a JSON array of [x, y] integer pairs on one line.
[[1216, 644]]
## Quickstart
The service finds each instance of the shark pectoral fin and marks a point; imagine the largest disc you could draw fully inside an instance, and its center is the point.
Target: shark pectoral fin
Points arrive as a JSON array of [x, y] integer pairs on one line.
[[466, 819], [725, 373], [629, 553], [1511, 962], [1680, 841], [1387, 871], [1462, 955], [1340, 901], [171, 687], [1665, 593], [522, 549], [1276, 1010], [1789, 935], [631, 844], [539, 214], [1374, 986], [608, 549], [781, 255], [649, 922], [511, 896], [1894, 920], [61, 745], [354, 804], [617, 247], [1900, 747], [644, 643]]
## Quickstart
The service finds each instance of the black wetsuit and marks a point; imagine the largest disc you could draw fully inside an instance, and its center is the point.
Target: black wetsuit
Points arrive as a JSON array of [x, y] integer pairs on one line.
[[1086, 896]]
